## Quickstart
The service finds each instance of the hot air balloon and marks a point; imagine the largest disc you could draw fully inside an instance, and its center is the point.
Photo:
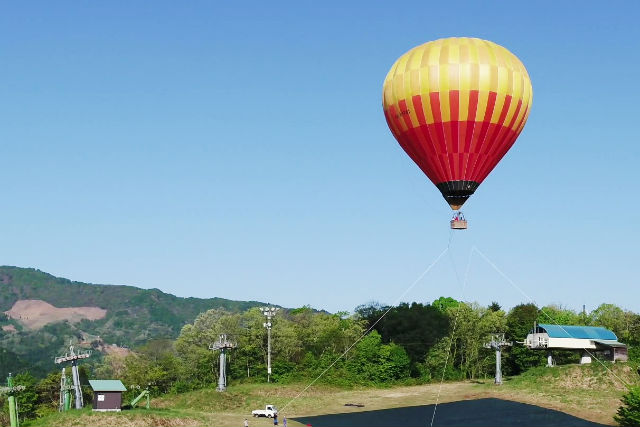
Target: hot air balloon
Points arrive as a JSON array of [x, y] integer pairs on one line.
[[456, 106]]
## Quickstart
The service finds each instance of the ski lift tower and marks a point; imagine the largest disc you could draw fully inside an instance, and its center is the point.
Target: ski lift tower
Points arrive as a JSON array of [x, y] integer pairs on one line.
[[222, 345], [73, 356], [10, 390], [65, 392], [498, 342], [269, 312]]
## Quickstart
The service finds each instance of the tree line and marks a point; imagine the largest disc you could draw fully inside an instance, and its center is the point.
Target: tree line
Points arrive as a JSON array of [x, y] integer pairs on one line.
[[376, 345]]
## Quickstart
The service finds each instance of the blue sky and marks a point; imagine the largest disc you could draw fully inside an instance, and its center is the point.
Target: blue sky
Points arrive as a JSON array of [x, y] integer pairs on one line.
[[238, 149]]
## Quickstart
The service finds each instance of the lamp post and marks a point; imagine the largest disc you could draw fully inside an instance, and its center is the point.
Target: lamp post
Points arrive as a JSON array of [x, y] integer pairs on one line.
[[268, 312]]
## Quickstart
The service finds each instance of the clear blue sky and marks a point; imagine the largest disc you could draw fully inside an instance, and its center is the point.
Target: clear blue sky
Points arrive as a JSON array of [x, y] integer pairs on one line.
[[239, 150]]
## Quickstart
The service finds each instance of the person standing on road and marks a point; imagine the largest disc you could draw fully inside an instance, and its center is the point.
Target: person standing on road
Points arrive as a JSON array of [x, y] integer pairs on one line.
[[246, 423], [284, 421], [275, 419]]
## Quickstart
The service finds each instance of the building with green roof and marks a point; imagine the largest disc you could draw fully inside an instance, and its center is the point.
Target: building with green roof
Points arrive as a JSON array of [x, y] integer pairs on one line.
[[107, 394]]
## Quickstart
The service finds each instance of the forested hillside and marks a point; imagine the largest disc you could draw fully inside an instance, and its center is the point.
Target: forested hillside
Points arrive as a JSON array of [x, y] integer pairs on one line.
[[133, 317], [414, 343], [407, 344]]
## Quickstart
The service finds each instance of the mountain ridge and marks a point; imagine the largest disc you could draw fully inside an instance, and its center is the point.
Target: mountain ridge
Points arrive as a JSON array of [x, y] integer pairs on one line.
[[133, 316]]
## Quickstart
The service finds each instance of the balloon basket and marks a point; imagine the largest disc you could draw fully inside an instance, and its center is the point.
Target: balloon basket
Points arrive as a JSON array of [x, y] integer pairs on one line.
[[457, 224]]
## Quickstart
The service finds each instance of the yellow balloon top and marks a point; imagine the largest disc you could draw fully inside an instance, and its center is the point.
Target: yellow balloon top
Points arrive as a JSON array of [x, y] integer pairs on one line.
[[462, 64]]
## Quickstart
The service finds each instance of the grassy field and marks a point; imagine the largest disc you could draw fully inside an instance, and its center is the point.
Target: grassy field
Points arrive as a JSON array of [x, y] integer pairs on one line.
[[589, 392]]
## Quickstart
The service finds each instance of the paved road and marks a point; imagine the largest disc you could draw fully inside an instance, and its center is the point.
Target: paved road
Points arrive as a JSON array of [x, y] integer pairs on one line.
[[481, 412]]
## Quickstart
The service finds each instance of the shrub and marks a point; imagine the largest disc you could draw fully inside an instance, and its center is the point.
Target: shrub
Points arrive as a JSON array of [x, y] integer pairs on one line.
[[629, 412]]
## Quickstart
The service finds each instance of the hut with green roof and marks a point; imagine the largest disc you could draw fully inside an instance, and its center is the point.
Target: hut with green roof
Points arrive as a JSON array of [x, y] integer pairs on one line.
[[107, 395]]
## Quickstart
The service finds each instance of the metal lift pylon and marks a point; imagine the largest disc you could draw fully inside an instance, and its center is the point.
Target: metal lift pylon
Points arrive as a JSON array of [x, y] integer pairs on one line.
[[73, 357], [11, 391]]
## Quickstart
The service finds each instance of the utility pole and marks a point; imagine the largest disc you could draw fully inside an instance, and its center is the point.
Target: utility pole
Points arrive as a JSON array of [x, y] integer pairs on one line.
[[10, 390], [269, 312], [73, 357], [222, 345], [497, 342]]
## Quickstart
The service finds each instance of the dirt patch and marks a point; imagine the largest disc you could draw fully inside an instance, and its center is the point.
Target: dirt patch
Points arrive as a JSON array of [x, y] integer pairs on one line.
[[122, 420], [34, 314], [115, 350], [9, 328]]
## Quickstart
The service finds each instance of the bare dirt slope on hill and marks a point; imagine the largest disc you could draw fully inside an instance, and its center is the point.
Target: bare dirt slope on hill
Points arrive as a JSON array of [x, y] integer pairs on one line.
[[34, 314]]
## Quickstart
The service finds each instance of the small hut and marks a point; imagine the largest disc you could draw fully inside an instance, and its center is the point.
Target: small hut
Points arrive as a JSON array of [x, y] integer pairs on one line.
[[107, 394]]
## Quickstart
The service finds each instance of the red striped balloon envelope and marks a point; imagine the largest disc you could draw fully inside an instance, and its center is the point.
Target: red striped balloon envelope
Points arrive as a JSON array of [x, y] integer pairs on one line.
[[456, 106]]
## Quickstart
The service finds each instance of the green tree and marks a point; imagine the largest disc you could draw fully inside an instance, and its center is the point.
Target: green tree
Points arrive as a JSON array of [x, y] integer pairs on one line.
[[439, 364], [160, 375], [370, 313], [628, 414], [111, 366], [615, 319], [48, 390], [494, 306], [374, 362], [10, 362], [192, 346], [473, 325], [520, 320], [28, 398], [556, 314], [399, 326], [300, 340], [444, 303], [461, 354]]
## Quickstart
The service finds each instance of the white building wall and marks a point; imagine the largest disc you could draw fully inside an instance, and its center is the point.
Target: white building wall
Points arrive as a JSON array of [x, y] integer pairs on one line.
[[571, 343], [542, 340]]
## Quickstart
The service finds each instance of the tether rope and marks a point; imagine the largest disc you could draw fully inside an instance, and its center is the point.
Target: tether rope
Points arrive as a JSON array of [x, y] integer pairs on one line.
[[455, 324], [415, 282], [464, 285]]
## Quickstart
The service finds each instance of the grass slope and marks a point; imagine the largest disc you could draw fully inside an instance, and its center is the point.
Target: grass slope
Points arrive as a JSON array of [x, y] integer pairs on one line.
[[589, 392]]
